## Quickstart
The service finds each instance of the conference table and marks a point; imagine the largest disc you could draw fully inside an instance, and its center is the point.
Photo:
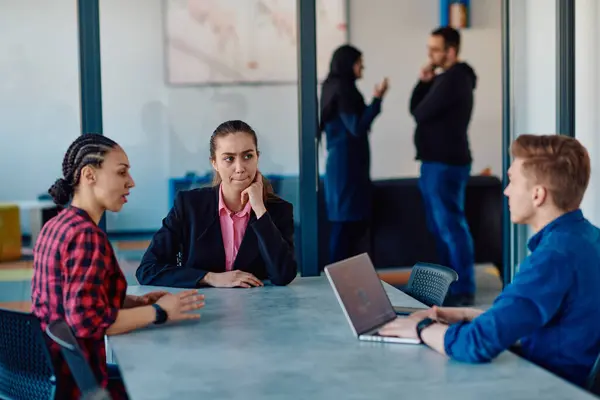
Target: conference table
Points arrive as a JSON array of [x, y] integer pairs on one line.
[[294, 342]]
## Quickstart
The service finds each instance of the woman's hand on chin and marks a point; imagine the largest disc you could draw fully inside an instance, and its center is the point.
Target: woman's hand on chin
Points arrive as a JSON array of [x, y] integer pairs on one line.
[[254, 194]]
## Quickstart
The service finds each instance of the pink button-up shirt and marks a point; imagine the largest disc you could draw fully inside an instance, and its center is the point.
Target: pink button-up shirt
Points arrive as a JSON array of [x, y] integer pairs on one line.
[[233, 227]]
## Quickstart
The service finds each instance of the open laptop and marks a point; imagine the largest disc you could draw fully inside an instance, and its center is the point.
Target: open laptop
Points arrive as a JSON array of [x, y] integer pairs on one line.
[[362, 298]]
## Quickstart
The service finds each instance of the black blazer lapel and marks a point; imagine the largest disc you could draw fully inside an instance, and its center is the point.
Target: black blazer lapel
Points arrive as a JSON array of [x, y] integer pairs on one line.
[[248, 248], [212, 238]]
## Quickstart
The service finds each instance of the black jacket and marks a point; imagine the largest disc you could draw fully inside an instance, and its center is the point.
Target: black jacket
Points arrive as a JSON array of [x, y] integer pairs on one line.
[[189, 244], [442, 110]]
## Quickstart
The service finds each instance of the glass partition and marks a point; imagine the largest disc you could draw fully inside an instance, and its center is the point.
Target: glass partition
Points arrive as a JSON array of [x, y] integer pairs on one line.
[[39, 110]]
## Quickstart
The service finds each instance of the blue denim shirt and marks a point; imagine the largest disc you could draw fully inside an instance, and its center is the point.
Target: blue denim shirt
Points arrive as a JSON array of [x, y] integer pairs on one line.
[[552, 306]]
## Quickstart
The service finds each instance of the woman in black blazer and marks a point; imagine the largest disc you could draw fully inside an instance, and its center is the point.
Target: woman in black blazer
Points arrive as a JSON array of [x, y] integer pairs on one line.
[[233, 234]]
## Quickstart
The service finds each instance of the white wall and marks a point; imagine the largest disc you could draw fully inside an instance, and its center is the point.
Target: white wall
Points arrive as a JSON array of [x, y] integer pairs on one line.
[[587, 95], [533, 67], [539, 39], [165, 130], [533, 77], [393, 35], [39, 95]]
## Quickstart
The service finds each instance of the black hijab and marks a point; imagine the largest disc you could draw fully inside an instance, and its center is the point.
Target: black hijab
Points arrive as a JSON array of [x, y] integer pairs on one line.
[[339, 93]]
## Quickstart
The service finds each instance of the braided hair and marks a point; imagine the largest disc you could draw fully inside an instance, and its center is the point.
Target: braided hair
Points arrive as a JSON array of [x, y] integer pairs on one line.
[[87, 149]]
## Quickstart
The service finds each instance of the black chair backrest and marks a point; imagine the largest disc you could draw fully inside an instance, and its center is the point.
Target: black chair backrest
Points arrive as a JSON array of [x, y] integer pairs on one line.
[[593, 383], [429, 283], [62, 335], [26, 369]]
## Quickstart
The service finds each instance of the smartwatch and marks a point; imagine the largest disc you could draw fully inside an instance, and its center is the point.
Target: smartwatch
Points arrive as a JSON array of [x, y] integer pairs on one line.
[[422, 325], [161, 314]]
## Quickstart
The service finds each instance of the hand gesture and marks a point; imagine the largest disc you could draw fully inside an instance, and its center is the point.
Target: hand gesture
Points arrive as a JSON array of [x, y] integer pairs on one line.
[[232, 279], [254, 194], [381, 88], [427, 73], [178, 305]]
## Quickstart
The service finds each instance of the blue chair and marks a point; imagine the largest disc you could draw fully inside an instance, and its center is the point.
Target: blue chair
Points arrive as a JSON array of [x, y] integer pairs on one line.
[[188, 182], [26, 369], [429, 283], [83, 375]]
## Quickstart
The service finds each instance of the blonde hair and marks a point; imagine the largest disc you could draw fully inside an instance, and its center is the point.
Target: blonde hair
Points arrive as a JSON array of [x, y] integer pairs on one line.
[[560, 163]]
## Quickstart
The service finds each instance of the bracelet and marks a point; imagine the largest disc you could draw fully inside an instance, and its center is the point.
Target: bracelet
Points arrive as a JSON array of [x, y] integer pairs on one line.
[[425, 323], [161, 315]]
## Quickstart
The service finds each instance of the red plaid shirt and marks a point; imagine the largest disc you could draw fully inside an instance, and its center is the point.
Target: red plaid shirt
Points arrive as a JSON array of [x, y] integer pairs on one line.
[[77, 278]]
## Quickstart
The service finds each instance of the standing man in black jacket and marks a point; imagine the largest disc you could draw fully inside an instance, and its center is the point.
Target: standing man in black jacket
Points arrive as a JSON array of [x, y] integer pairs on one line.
[[441, 104]]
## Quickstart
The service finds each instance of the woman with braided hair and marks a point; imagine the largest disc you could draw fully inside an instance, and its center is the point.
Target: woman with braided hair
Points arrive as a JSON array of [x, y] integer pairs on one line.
[[76, 275]]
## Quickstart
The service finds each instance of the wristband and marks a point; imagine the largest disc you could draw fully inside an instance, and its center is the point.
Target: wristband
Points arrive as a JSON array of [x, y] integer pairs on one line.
[[425, 323]]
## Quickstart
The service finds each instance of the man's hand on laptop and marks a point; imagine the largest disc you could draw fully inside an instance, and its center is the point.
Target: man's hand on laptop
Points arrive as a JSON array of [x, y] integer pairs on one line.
[[405, 327]]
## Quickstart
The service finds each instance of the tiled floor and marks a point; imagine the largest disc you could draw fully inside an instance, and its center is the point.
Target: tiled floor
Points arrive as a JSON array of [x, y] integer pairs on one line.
[[15, 277]]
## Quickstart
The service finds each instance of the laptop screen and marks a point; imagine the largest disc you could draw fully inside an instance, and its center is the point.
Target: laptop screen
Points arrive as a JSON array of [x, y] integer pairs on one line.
[[361, 293]]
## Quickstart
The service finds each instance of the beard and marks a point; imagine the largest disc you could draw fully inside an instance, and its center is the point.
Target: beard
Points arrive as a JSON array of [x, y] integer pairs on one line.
[[442, 62]]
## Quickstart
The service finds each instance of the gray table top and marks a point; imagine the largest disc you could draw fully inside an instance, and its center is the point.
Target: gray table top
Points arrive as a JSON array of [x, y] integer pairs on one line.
[[294, 342]]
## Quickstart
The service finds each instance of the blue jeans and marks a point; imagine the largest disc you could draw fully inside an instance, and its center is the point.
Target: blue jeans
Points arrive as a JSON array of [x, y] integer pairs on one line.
[[443, 190]]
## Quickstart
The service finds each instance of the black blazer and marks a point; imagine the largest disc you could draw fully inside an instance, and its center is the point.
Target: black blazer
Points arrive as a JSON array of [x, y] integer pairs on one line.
[[189, 244]]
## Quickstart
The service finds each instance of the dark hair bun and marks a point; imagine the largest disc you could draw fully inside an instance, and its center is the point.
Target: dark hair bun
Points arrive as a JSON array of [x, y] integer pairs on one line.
[[61, 192]]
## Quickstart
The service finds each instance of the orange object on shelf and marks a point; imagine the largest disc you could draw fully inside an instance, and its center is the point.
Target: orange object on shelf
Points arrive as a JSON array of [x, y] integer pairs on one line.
[[486, 172], [458, 15], [10, 232]]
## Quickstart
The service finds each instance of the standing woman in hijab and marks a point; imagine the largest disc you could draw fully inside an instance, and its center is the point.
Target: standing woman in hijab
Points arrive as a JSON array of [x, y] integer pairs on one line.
[[346, 121]]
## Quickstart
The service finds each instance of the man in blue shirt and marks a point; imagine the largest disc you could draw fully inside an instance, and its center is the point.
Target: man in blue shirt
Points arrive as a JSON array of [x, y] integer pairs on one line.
[[552, 308]]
